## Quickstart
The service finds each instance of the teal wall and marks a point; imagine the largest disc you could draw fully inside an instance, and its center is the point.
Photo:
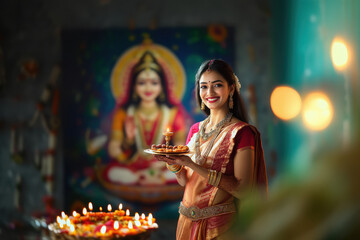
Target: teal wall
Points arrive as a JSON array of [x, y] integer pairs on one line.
[[302, 33]]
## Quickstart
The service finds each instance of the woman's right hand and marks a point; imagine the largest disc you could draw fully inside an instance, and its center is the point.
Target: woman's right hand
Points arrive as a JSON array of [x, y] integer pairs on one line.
[[175, 159]]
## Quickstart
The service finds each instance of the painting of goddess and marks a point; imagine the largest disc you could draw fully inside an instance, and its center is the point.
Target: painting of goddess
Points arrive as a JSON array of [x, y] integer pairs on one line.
[[147, 83]]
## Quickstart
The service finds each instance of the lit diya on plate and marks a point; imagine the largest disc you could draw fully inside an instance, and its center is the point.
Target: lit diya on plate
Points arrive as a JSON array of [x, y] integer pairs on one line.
[[109, 225], [167, 148]]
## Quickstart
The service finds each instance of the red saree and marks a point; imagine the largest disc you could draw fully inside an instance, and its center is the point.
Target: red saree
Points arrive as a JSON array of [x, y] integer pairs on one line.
[[200, 194]]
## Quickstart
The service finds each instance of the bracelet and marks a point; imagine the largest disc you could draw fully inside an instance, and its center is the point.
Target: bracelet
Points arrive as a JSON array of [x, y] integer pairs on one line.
[[214, 178], [174, 168]]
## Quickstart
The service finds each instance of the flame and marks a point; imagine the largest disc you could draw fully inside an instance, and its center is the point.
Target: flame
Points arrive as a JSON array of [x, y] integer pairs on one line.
[[127, 212], [63, 215], [68, 223], [137, 216], [120, 206], [84, 211], [72, 228], [109, 208], [90, 206], [116, 225], [74, 213], [150, 219], [142, 216], [58, 219], [100, 209], [168, 129], [137, 223], [103, 229], [130, 225]]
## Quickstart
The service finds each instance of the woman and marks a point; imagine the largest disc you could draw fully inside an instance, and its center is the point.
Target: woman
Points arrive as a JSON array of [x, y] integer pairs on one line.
[[227, 159], [139, 122]]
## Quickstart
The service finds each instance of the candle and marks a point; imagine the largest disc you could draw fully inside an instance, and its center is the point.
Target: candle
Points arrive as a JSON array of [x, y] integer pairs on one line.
[[90, 206], [167, 135], [72, 228], [84, 211], [68, 223], [137, 223], [116, 225], [120, 206], [109, 208], [127, 212], [150, 218]]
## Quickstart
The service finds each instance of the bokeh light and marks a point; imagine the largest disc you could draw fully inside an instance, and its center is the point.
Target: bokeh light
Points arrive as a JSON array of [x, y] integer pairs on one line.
[[317, 111], [339, 54], [285, 102]]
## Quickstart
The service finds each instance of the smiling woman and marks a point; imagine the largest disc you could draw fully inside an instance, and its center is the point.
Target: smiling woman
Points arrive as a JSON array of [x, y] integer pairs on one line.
[[225, 161]]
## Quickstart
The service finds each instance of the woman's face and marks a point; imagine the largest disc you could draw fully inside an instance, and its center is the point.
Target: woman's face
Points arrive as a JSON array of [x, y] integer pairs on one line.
[[214, 90], [148, 85]]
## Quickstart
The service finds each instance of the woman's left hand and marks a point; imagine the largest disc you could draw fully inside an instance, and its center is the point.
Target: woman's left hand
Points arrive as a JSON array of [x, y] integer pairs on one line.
[[175, 159]]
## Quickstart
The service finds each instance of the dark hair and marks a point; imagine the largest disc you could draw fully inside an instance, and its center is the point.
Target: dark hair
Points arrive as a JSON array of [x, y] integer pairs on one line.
[[225, 70], [147, 61]]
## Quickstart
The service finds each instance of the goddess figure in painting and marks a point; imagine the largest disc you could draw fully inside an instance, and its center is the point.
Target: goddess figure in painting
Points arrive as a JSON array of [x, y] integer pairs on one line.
[[226, 157], [145, 111]]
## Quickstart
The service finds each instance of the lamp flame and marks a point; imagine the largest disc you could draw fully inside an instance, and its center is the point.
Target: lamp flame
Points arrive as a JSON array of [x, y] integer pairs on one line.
[[84, 211], [74, 213], [90, 206], [130, 225], [120, 206], [109, 208], [103, 229], [116, 225]]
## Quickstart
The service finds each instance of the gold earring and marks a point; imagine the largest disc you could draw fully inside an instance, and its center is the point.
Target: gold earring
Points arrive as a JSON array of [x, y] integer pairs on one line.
[[162, 97], [202, 106], [231, 102], [134, 97]]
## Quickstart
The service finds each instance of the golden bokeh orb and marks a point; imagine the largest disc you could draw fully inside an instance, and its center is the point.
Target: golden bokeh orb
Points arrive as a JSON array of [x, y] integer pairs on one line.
[[339, 54], [285, 102], [317, 111]]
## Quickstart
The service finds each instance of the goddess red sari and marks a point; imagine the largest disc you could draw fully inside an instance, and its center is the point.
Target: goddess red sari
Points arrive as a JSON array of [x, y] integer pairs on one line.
[[200, 194]]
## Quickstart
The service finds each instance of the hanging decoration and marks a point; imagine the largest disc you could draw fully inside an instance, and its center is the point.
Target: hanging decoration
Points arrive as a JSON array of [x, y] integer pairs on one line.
[[47, 112]]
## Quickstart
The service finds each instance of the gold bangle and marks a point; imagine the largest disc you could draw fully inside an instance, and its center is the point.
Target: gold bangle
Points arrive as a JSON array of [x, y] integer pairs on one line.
[[211, 176], [218, 178]]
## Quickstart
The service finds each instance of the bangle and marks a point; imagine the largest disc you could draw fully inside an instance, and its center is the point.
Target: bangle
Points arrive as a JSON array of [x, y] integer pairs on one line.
[[214, 178], [174, 168]]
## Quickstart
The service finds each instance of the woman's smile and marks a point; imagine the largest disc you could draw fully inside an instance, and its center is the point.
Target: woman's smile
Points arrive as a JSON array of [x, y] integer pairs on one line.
[[212, 99]]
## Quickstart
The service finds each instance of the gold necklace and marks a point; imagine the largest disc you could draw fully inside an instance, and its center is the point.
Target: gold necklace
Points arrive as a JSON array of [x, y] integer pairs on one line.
[[205, 136], [201, 158]]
